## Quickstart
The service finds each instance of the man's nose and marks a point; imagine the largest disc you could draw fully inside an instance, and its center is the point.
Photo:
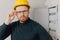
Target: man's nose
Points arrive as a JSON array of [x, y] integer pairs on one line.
[[22, 13]]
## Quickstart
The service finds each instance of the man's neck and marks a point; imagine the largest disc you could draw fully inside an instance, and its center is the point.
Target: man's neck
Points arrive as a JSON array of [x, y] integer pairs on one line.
[[21, 22]]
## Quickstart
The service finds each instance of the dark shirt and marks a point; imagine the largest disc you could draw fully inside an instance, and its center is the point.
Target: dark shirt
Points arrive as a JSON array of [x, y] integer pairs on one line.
[[29, 30]]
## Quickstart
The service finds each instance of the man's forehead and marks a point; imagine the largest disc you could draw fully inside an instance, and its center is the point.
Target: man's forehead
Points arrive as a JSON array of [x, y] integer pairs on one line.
[[21, 8]]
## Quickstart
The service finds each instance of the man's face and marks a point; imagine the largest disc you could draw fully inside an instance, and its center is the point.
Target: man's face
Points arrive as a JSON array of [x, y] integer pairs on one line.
[[22, 12]]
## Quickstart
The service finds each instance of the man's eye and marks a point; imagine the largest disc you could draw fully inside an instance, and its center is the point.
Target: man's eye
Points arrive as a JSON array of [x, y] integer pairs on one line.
[[18, 12], [21, 11], [25, 11]]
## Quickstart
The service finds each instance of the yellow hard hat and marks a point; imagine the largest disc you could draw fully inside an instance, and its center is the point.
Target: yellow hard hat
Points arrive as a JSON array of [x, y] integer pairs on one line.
[[21, 2]]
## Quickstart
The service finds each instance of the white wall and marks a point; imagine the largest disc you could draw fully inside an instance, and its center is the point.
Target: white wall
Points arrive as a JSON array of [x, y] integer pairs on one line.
[[58, 28], [56, 3], [5, 8]]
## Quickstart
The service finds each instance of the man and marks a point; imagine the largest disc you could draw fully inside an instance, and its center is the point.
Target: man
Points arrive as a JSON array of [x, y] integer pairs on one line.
[[24, 28]]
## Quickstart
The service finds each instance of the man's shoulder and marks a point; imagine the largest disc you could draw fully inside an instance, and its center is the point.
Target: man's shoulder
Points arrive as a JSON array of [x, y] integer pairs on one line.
[[33, 22], [36, 25]]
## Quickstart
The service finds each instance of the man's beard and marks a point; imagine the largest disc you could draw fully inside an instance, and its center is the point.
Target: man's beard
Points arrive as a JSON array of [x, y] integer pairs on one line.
[[23, 18]]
